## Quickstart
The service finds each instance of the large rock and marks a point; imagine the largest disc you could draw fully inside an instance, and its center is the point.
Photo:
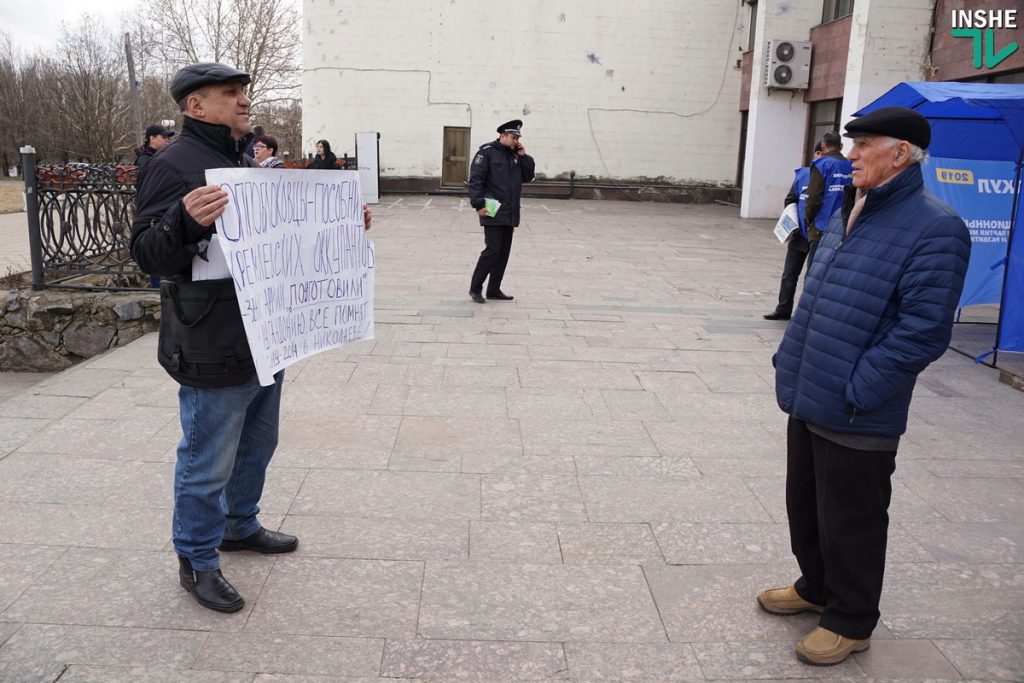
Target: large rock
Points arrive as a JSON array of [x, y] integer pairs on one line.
[[25, 354], [87, 339]]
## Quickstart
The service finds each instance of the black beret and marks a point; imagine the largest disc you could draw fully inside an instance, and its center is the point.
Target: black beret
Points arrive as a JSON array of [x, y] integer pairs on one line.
[[894, 122], [195, 76], [514, 126]]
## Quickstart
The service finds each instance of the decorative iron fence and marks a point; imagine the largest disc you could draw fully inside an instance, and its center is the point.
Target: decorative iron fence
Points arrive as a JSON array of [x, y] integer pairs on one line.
[[80, 220]]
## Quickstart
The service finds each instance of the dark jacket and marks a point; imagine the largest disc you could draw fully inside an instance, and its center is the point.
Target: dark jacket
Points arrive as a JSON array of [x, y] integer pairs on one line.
[[498, 172], [164, 237], [328, 163], [877, 308], [141, 161]]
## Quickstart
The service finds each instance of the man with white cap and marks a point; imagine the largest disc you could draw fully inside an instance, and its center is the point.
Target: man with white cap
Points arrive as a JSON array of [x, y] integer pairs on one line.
[[877, 308]]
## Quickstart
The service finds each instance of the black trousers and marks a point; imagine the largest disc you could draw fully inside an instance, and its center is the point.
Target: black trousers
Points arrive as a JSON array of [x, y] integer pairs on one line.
[[796, 255], [493, 259], [813, 247], [837, 499]]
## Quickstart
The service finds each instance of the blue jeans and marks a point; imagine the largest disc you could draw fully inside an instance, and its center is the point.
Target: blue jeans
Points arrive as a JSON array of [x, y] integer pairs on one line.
[[229, 436]]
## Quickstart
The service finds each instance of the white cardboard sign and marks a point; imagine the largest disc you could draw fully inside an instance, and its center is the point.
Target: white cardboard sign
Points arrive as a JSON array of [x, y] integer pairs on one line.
[[295, 246]]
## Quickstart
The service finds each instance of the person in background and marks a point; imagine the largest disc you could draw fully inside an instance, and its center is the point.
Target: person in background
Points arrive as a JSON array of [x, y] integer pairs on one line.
[[257, 131], [498, 172], [829, 176], [324, 157], [265, 152], [877, 309], [796, 246], [157, 137]]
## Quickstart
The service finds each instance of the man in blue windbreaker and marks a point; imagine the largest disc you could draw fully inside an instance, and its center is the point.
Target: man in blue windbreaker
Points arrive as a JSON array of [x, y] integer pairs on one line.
[[877, 308], [796, 245], [830, 175]]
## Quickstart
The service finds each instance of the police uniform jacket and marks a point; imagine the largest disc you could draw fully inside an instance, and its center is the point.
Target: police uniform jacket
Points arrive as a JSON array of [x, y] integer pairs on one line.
[[165, 238], [498, 172]]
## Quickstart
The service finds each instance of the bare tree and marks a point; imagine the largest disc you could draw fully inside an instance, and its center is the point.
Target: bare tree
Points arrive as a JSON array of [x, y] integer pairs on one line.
[[261, 37]]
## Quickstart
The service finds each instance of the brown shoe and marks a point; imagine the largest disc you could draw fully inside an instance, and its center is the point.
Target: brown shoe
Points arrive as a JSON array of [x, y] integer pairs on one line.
[[785, 601], [822, 647]]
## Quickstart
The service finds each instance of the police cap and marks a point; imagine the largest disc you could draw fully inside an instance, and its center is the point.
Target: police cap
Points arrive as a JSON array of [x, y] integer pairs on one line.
[[514, 126]]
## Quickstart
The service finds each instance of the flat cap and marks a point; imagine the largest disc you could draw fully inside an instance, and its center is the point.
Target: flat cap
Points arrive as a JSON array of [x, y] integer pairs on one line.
[[157, 129], [195, 76], [894, 122], [514, 126]]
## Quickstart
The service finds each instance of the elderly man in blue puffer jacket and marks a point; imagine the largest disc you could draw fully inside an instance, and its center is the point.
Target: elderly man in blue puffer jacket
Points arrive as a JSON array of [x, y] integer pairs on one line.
[[877, 308]]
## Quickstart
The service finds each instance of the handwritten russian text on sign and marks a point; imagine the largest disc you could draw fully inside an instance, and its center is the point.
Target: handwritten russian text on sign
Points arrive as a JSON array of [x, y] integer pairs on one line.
[[303, 268]]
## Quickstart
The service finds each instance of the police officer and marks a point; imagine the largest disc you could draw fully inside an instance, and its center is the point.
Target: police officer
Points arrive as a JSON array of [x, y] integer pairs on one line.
[[498, 172]]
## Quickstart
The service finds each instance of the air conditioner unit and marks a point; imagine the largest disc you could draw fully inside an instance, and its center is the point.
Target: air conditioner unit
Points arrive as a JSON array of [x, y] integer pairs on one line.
[[788, 64]]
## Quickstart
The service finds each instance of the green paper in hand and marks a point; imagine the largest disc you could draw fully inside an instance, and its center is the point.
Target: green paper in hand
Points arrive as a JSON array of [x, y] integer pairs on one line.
[[492, 206]]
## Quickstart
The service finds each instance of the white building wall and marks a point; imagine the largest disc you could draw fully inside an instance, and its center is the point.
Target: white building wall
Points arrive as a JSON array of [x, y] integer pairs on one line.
[[645, 89], [777, 120], [888, 45]]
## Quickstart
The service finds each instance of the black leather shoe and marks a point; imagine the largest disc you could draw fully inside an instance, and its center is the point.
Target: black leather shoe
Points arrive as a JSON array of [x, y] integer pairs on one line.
[[775, 315], [263, 541], [500, 296], [210, 589], [477, 297]]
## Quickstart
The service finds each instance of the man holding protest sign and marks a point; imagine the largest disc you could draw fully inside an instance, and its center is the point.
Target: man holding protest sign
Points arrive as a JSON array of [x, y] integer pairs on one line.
[[229, 421]]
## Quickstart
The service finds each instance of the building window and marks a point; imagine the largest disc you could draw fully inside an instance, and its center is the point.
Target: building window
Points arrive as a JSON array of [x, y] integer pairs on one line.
[[824, 118], [753, 24], [1010, 77], [836, 9]]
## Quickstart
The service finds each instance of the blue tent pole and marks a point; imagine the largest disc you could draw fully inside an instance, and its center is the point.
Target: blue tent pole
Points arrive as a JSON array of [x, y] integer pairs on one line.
[[1009, 248]]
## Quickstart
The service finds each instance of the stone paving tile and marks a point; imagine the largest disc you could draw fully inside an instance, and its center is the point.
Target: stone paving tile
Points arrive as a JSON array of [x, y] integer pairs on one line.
[[554, 374], [954, 601], [288, 654], [7, 630], [15, 431], [570, 437], [39, 406], [668, 662], [480, 376], [701, 603], [484, 403], [341, 458], [550, 603], [486, 462], [766, 660], [50, 478], [903, 658], [327, 402], [631, 499], [718, 437], [986, 658], [519, 542], [379, 539], [389, 494], [608, 544], [553, 404], [449, 438], [82, 381], [150, 674], [532, 497], [92, 436], [985, 469], [20, 565], [132, 589], [47, 644], [332, 597], [474, 660], [972, 500], [612, 466], [971, 542], [344, 433], [702, 543], [634, 405], [96, 526]]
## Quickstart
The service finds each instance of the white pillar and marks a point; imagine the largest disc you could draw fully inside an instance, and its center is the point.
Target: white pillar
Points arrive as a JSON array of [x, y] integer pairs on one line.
[[776, 122]]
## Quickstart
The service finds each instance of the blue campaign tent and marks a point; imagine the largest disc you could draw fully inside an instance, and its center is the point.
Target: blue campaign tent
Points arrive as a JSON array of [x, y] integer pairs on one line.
[[979, 121]]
